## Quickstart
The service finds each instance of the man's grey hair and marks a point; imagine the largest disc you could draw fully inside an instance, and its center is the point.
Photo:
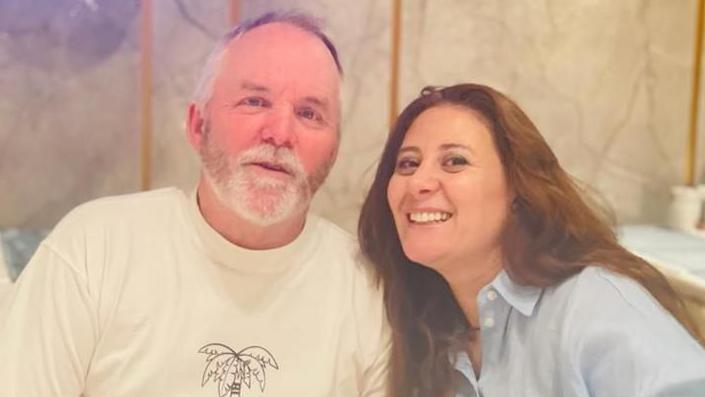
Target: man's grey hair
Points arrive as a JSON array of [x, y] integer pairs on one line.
[[204, 88]]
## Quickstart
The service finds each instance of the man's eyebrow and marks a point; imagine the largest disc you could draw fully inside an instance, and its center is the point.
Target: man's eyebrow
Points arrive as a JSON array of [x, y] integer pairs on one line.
[[250, 86], [313, 100], [316, 101]]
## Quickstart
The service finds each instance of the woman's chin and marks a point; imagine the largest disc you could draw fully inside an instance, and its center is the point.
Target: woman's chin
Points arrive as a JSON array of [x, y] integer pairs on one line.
[[424, 259]]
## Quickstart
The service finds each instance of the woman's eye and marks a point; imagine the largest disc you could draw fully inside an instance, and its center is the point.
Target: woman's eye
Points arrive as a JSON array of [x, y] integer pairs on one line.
[[455, 163], [406, 166]]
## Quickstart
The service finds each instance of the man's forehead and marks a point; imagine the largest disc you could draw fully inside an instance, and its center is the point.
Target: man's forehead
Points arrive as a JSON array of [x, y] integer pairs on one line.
[[282, 43], [281, 58]]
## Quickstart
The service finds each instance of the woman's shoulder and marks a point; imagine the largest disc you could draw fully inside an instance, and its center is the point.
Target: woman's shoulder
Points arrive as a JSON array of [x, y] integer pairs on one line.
[[601, 302], [610, 323], [599, 289]]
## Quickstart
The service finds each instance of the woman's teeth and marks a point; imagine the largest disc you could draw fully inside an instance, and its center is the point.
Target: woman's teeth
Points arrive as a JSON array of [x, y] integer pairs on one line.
[[429, 217]]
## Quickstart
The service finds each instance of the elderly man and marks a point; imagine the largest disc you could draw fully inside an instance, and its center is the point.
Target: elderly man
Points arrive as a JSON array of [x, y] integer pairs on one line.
[[233, 291]]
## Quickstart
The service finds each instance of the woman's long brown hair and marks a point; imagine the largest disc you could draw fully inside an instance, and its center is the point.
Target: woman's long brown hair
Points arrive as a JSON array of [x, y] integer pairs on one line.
[[553, 234]]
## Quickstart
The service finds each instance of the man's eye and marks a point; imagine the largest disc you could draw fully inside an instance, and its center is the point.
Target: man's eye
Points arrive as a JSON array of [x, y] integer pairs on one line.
[[310, 114], [455, 163], [253, 101], [406, 166]]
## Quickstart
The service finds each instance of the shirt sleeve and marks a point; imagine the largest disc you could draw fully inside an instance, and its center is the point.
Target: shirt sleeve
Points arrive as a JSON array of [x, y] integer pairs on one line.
[[374, 340], [376, 376], [631, 346], [48, 330]]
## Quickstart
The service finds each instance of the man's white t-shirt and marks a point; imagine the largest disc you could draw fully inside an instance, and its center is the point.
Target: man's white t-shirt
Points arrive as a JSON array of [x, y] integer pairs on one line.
[[138, 296]]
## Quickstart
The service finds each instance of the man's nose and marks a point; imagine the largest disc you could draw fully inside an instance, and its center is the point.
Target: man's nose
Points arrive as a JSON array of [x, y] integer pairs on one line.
[[278, 129]]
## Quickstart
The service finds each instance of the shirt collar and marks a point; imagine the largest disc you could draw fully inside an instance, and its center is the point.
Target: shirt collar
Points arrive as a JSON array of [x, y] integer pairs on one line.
[[521, 297], [252, 261]]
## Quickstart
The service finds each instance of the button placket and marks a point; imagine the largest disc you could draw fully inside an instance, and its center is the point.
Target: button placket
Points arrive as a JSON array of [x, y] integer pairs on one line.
[[487, 312], [494, 314], [491, 295]]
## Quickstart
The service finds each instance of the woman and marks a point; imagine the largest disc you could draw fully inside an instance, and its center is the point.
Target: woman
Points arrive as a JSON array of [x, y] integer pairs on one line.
[[500, 280]]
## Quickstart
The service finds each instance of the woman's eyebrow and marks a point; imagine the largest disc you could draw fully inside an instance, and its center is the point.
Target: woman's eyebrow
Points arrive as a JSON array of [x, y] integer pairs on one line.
[[447, 146], [407, 149]]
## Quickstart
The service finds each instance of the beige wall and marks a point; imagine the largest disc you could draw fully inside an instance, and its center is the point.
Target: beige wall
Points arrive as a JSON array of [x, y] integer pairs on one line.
[[608, 83]]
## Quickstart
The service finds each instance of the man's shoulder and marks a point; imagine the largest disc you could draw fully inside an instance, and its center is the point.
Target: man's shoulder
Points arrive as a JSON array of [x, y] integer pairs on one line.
[[364, 296], [349, 260], [337, 242], [123, 209], [331, 231]]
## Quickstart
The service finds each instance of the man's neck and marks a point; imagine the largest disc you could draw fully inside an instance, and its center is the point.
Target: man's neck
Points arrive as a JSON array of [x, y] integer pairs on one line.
[[242, 232]]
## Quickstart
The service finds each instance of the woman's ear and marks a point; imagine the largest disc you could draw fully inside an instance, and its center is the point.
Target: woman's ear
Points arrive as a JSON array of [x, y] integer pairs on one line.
[[515, 204]]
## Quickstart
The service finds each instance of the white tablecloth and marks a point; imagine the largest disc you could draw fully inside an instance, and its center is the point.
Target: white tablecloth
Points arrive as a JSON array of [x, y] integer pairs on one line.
[[679, 255], [665, 246]]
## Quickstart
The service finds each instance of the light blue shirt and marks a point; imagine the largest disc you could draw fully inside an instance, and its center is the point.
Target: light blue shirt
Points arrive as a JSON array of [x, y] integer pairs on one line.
[[597, 334]]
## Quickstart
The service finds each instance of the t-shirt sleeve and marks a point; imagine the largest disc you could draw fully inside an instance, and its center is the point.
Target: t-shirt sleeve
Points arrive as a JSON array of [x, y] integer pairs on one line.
[[374, 339], [376, 376], [48, 330]]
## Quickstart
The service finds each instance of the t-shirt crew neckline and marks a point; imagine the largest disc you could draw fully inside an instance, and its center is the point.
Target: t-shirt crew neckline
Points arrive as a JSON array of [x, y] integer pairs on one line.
[[267, 261]]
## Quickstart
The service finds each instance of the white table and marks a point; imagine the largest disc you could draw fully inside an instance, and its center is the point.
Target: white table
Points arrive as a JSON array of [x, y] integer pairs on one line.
[[679, 255]]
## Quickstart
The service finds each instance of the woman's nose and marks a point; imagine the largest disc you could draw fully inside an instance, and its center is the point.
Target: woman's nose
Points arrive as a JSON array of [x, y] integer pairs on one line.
[[423, 183]]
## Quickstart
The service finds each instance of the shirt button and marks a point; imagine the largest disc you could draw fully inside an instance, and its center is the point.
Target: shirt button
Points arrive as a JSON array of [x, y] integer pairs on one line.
[[491, 295], [488, 322]]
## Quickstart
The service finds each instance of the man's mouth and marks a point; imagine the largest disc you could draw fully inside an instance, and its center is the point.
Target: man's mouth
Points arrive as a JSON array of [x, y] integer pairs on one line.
[[276, 167]]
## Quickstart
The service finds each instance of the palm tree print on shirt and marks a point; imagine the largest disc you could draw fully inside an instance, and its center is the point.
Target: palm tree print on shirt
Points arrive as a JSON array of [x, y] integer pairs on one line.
[[231, 369]]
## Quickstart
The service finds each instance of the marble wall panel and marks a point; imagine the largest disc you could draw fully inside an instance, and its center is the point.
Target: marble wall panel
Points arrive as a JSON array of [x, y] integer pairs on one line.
[[68, 113], [184, 33], [606, 82]]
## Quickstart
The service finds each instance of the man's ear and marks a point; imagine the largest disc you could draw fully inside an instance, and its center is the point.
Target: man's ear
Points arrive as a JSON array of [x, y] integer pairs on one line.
[[195, 126]]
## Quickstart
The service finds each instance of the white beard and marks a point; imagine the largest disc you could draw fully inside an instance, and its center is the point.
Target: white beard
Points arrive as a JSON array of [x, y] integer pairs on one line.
[[257, 198]]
